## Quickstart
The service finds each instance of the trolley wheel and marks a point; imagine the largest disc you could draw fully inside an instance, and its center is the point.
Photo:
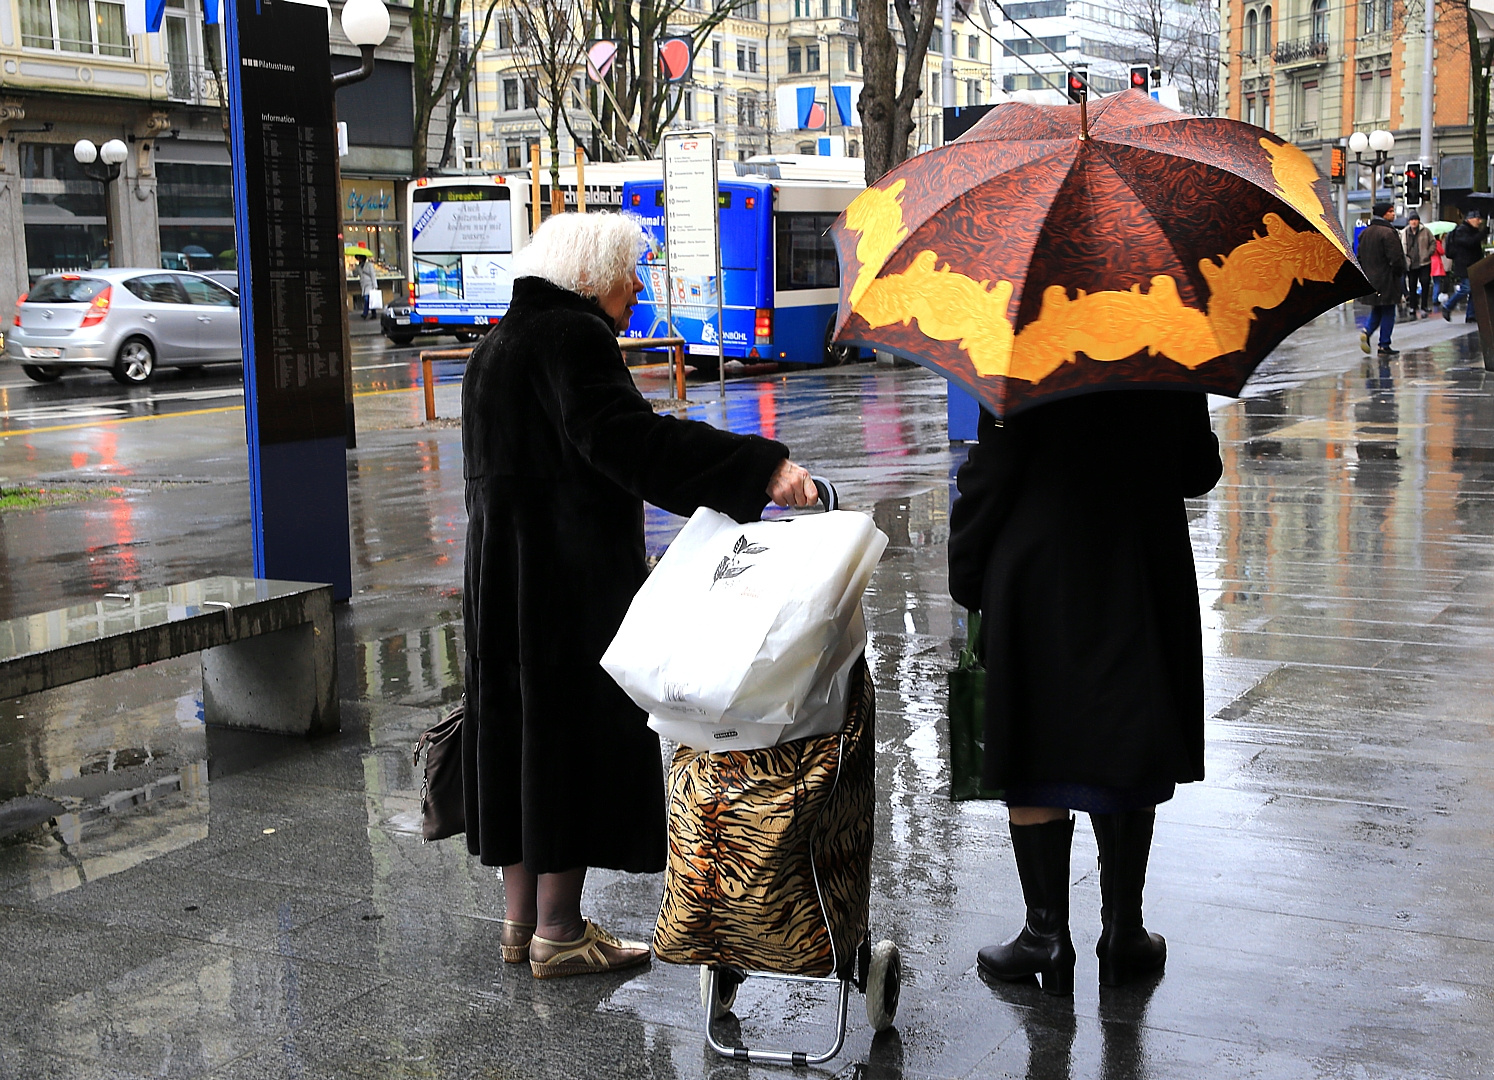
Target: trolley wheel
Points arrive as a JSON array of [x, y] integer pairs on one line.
[[884, 980], [727, 983]]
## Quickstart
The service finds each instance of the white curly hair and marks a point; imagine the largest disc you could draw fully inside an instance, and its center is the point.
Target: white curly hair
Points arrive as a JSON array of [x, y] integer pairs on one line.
[[585, 253]]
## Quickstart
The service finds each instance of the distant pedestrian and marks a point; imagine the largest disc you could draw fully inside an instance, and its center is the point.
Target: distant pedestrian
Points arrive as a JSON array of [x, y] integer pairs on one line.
[[560, 450], [1439, 272], [1465, 246], [1383, 260], [368, 285], [1420, 246], [1079, 561]]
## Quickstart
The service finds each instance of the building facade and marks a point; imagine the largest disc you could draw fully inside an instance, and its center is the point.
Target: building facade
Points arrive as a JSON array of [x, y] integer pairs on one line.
[[1314, 73], [69, 70]]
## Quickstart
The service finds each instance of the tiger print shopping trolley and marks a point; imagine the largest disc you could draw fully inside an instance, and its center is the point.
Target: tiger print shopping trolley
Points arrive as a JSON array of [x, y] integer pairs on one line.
[[769, 872]]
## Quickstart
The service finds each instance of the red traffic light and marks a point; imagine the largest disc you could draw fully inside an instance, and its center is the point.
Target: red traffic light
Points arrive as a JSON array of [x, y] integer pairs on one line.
[[1140, 77]]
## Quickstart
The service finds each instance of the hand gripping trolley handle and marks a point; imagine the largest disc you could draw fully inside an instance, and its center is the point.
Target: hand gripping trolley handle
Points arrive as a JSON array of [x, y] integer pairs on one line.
[[720, 898]]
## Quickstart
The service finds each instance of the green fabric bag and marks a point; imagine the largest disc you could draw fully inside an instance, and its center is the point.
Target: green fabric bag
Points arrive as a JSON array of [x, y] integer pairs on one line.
[[967, 720]]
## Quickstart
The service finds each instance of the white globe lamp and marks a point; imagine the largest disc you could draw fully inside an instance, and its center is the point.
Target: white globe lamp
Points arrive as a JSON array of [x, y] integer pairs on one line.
[[112, 152], [1359, 142], [1381, 141], [84, 152], [365, 22]]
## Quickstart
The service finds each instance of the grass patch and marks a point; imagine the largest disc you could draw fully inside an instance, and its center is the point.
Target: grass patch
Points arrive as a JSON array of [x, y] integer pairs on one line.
[[30, 498]]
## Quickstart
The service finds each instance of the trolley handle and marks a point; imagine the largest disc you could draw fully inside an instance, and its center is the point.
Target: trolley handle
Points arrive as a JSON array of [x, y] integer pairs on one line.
[[829, 497]]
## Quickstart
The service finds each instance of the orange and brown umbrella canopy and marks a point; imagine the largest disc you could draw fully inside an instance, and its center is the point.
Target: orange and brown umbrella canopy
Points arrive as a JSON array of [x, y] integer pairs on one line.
[[1027, 260]]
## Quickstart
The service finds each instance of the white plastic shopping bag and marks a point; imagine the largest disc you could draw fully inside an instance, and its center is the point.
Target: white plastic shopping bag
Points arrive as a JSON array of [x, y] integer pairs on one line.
[[743, 625]]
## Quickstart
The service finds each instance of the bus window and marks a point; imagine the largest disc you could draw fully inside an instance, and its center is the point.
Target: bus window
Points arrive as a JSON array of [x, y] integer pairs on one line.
[[805, 252]]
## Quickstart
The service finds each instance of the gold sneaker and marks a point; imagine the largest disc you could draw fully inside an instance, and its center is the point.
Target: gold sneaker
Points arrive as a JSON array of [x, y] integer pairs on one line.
[[513, 942], [595, 951]]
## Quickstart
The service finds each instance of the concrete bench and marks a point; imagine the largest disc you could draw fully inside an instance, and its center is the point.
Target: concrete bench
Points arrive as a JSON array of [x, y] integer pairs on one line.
[[269, 649]]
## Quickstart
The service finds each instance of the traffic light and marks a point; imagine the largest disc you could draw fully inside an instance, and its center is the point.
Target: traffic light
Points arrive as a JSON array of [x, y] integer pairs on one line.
[[1141, 77], [1414, 183], [1156, 78], [1078, 84]]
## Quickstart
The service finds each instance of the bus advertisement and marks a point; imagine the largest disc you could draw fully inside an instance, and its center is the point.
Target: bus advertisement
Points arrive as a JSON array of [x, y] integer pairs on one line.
[[779, 273]]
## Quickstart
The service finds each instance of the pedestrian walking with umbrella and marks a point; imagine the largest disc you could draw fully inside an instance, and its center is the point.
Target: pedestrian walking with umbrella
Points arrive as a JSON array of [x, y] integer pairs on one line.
[[1050, 253]]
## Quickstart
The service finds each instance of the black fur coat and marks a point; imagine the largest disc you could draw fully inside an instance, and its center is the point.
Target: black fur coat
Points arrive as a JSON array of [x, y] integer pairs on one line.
[[559, 452], [1071, 538]]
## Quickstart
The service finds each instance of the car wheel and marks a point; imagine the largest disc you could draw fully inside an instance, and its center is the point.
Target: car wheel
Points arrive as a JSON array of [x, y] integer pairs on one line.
[[42, 373], [466, 336], [834, 354], [400, 341], [135, 363]]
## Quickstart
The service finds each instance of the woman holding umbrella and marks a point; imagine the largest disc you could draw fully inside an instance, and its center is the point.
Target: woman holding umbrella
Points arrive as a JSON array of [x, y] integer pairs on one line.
[[1087, 272], [1071, 539]]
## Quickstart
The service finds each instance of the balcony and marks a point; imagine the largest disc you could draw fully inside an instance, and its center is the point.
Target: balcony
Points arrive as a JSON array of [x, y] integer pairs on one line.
[[195, 84], [1312, 48]]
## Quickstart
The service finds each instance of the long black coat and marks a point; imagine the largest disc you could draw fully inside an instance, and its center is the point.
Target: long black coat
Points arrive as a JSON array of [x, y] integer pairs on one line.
[[1464, 247], [1382, 257], [559, 452], [1071, 538]]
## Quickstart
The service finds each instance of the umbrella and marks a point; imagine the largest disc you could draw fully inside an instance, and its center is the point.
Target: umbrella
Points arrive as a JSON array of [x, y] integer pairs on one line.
[[1032, 258], [1441, 228], [357, 249]]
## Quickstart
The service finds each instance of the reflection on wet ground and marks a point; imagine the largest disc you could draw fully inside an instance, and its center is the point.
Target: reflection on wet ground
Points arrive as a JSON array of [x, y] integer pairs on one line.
[[180, 901]]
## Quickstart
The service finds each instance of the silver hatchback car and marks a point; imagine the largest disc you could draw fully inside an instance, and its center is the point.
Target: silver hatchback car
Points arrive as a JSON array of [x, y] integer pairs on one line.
[[128, 322]]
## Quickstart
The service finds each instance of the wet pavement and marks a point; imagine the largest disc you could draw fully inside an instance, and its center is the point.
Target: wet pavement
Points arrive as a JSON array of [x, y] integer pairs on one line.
[[181, 901]]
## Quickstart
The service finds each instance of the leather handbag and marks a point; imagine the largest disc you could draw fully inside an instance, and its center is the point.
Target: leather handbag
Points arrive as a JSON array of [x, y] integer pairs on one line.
[[967, 721], [443, 809]]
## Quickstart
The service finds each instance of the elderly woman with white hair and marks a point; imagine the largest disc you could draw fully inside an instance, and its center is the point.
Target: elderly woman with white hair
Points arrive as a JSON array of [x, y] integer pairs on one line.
[[560, 450]]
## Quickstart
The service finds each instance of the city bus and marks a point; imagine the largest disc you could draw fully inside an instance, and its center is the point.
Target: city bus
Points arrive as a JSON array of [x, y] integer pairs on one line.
[[778, 267], [461, 233]]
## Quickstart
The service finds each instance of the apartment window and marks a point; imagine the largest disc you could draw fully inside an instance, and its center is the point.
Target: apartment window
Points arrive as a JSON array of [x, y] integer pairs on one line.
[[795, 60], [747, 111], [1042, 9], [1365, 112], [1250, 109], [76, 26], [1382, 95], [1312, 106], [505, 35], [715, 54], [1266, 34], [531, 93], [972, 48], [718, 105], [1252, 24], [1029, 46], [752, 58], [748, 11], [514, 154], [803, 9], [972, 91], [1320, 20], [1266, 111], [510, 94], [850, 56], [578, 93], [689, 105], [1387, 14], [846, 9], [811, 58], [741, 58]]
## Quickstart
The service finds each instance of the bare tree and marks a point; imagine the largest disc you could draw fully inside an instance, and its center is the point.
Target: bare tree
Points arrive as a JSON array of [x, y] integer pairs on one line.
[[641, 105], [885, 104], [436, 27], [1480, 57], [550, 46], [1181, 37]]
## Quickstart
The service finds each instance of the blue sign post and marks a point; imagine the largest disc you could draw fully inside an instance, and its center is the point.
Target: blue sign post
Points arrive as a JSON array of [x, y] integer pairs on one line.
[[291, 285]]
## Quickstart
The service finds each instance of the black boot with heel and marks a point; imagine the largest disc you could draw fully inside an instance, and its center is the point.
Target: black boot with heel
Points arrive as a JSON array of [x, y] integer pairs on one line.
[[1044, 947], [1125, 949]]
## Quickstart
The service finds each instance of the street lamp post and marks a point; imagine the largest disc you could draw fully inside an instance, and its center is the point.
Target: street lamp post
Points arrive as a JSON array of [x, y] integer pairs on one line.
[[366, 24], [1381, 142], [102, 164]]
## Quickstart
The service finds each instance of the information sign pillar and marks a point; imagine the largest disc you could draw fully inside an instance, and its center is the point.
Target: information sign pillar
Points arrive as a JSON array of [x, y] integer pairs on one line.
[[291, 287]]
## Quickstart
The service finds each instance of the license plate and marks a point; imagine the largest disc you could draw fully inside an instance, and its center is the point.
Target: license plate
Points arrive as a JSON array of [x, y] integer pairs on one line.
[[43, 354], [401, 322]]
